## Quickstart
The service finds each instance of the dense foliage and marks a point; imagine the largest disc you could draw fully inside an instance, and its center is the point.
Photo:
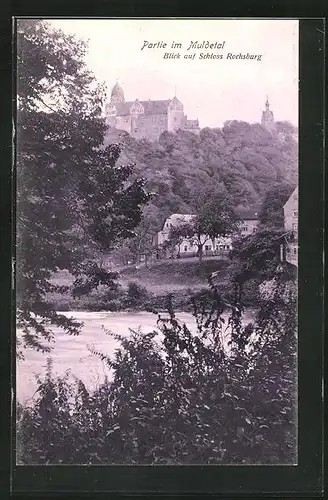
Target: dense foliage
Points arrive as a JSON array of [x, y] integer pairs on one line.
[[174, 397], [73, 201], [240, 159]]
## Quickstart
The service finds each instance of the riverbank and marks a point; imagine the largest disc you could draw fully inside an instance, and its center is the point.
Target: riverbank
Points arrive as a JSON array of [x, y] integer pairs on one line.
[[148, 288]]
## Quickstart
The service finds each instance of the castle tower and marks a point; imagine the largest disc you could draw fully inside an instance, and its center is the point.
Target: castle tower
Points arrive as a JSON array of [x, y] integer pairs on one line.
[[175, 115], [136, 111], [268, 118], [117, 94]]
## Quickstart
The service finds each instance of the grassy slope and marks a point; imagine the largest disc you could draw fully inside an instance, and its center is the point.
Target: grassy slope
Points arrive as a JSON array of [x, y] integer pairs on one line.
[[176, 276], [168, 275]]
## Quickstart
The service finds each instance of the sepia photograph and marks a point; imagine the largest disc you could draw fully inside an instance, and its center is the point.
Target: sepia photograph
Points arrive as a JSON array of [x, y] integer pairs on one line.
[[156, 247]]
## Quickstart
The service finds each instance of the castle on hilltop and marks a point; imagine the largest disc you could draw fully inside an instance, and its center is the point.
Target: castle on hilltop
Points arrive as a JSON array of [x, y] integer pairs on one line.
[[147, 119]]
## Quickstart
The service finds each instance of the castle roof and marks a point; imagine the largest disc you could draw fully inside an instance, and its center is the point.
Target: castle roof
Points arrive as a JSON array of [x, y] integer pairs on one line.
[[150, 107], [117, 94]]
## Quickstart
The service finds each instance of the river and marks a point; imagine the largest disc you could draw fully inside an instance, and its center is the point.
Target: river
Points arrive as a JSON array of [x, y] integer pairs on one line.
[[73, 352]]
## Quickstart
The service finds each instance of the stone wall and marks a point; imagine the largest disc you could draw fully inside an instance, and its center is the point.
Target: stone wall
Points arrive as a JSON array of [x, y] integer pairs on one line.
[[149, 126]]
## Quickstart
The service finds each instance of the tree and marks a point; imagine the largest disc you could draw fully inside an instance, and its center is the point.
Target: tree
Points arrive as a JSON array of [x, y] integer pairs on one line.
[[258, 256], [73, 201], [215, 217], [242, 158], [142, 243], [272, 210], [177, 235]]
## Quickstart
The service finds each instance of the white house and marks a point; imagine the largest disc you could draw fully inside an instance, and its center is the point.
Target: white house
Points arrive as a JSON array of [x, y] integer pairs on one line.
[[218, 246]]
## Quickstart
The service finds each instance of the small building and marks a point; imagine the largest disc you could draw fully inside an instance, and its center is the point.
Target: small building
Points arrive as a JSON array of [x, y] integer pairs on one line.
[[249, 220], [187, 247], [291, 227]]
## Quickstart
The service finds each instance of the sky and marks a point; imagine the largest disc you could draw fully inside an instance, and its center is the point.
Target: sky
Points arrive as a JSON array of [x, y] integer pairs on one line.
[[212, 90]]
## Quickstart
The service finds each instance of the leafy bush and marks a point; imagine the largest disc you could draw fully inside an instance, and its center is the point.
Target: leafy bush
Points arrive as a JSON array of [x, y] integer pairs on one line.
[[136, 294], [179, 398]]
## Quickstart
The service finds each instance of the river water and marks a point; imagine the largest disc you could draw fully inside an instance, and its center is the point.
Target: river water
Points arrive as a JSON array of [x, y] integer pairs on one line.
[[72, 353]]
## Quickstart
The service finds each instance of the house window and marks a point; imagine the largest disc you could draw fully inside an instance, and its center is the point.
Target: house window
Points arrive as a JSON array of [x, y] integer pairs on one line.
[[295, 227], [295, 213], [207, 247], [295, 250], [245, 228], [185, 249]]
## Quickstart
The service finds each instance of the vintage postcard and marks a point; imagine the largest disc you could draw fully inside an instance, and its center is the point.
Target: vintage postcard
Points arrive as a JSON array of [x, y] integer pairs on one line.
[[157, 241]]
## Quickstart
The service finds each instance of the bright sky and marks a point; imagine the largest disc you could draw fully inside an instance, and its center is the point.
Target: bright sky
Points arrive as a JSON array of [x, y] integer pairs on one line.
[[212, 90]]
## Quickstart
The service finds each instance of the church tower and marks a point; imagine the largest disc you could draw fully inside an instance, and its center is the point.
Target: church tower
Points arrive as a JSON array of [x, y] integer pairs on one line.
[[117, 94], [268, 118]]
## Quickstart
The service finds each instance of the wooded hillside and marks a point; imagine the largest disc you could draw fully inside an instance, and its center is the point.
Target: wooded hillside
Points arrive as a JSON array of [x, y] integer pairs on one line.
[[240, 158]]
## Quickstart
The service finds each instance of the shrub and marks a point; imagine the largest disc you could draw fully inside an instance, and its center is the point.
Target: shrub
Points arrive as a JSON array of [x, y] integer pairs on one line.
[[179, 398], [136, 295]]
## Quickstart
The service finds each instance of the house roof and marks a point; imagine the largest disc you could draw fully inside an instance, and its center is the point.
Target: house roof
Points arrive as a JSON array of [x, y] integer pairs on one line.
[[177, 219], [180, 218], [248, 213], [293, 197], [150, 107], [244, 214]]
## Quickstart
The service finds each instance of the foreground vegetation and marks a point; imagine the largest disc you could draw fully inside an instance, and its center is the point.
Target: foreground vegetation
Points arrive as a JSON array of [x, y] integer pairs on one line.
[[177, 398]]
